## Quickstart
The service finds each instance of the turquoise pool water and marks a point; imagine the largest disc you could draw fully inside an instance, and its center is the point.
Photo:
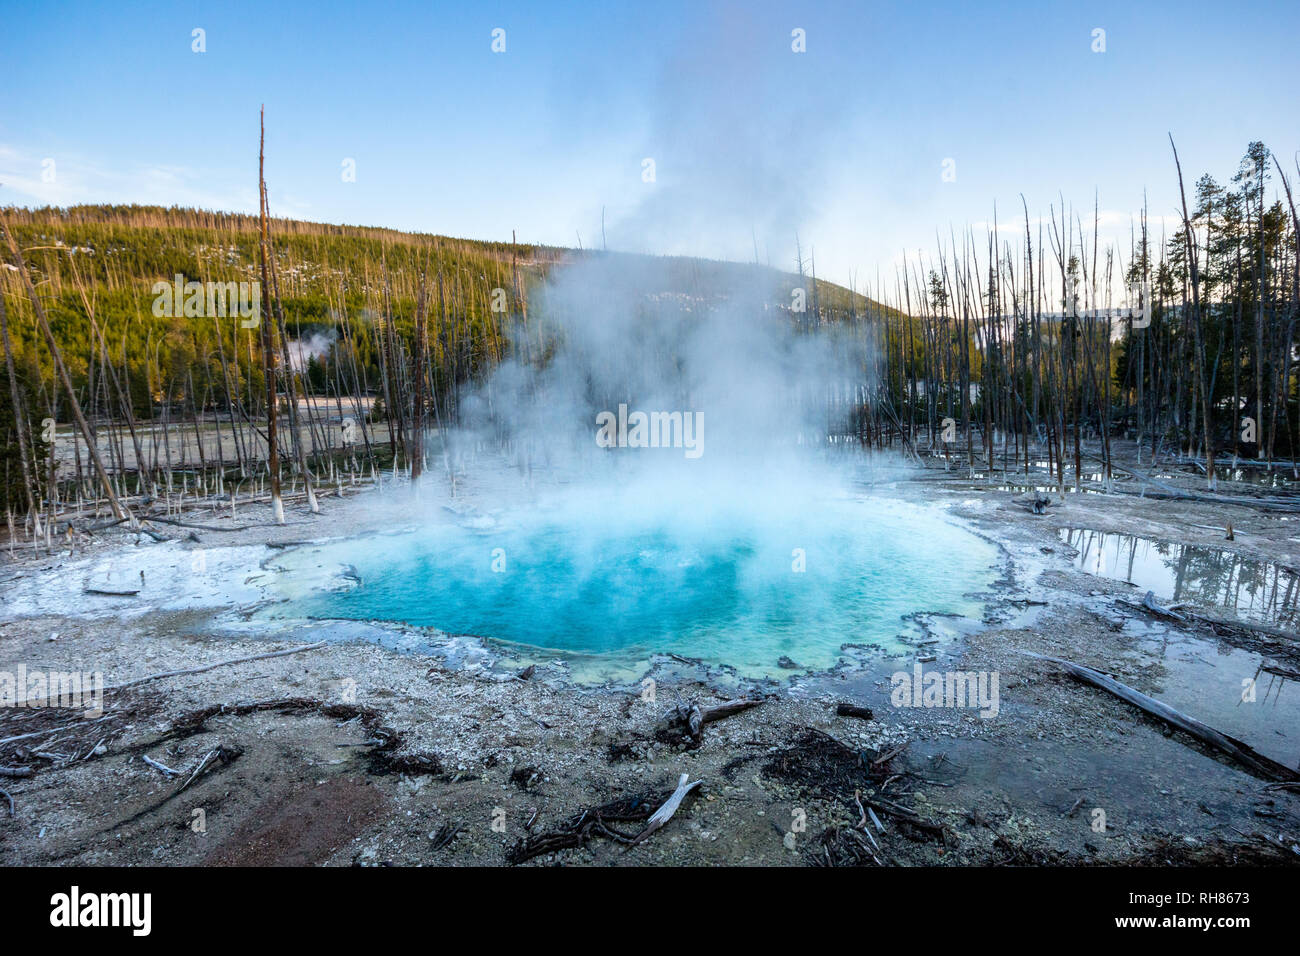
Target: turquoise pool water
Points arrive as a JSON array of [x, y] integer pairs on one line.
[[723, 585]]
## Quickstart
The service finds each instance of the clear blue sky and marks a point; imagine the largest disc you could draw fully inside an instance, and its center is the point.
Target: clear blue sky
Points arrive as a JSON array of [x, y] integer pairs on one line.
[[843, 144]]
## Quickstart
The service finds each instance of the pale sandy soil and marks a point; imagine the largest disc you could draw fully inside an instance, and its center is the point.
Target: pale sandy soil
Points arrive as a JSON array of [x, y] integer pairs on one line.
[[361, 753]]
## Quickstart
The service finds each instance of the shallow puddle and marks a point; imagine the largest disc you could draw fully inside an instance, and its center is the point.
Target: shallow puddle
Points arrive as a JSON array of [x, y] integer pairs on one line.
[[1253, 590], [1226, 688]]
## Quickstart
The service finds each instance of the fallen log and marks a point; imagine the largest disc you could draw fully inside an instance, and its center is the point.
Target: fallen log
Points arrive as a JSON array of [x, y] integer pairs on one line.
[[1148, 604], [192, 670], [189, 524], [105, 524], [845, 709], [709, 714], [1231, 746], [207, 667], [1264, 629], [1281, 505], [1277, 670]]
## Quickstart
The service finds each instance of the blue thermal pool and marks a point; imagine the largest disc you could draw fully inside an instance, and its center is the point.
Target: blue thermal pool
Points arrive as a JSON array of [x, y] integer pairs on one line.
[[724, 586]]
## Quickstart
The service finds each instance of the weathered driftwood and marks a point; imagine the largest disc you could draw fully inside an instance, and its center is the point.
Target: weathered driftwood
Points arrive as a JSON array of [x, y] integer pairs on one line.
[[220, 753], [106, 593], [876, 820], [694, 720], [1149, 602], [1239, 751], [157, 765], [890, 755], [1149, 605], [691, 718], [665, 812], [16, 771]]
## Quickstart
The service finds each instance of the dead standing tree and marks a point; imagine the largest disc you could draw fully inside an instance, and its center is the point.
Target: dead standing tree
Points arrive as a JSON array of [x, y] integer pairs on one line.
[[291, 381], [268, 352], [1197, 340], [421, 359]]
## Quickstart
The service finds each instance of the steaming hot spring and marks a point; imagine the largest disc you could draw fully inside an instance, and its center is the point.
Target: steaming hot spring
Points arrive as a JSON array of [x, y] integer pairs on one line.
[[753, 578], [738, 542]]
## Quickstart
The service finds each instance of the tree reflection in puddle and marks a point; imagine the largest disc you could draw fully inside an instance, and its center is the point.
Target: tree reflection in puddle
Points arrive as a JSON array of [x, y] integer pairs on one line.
[[1254, 590]]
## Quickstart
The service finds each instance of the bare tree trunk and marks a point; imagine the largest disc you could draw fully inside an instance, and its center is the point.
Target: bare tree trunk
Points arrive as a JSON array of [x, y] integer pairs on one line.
[[421, 357], [1196, 324], [268, 353]]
